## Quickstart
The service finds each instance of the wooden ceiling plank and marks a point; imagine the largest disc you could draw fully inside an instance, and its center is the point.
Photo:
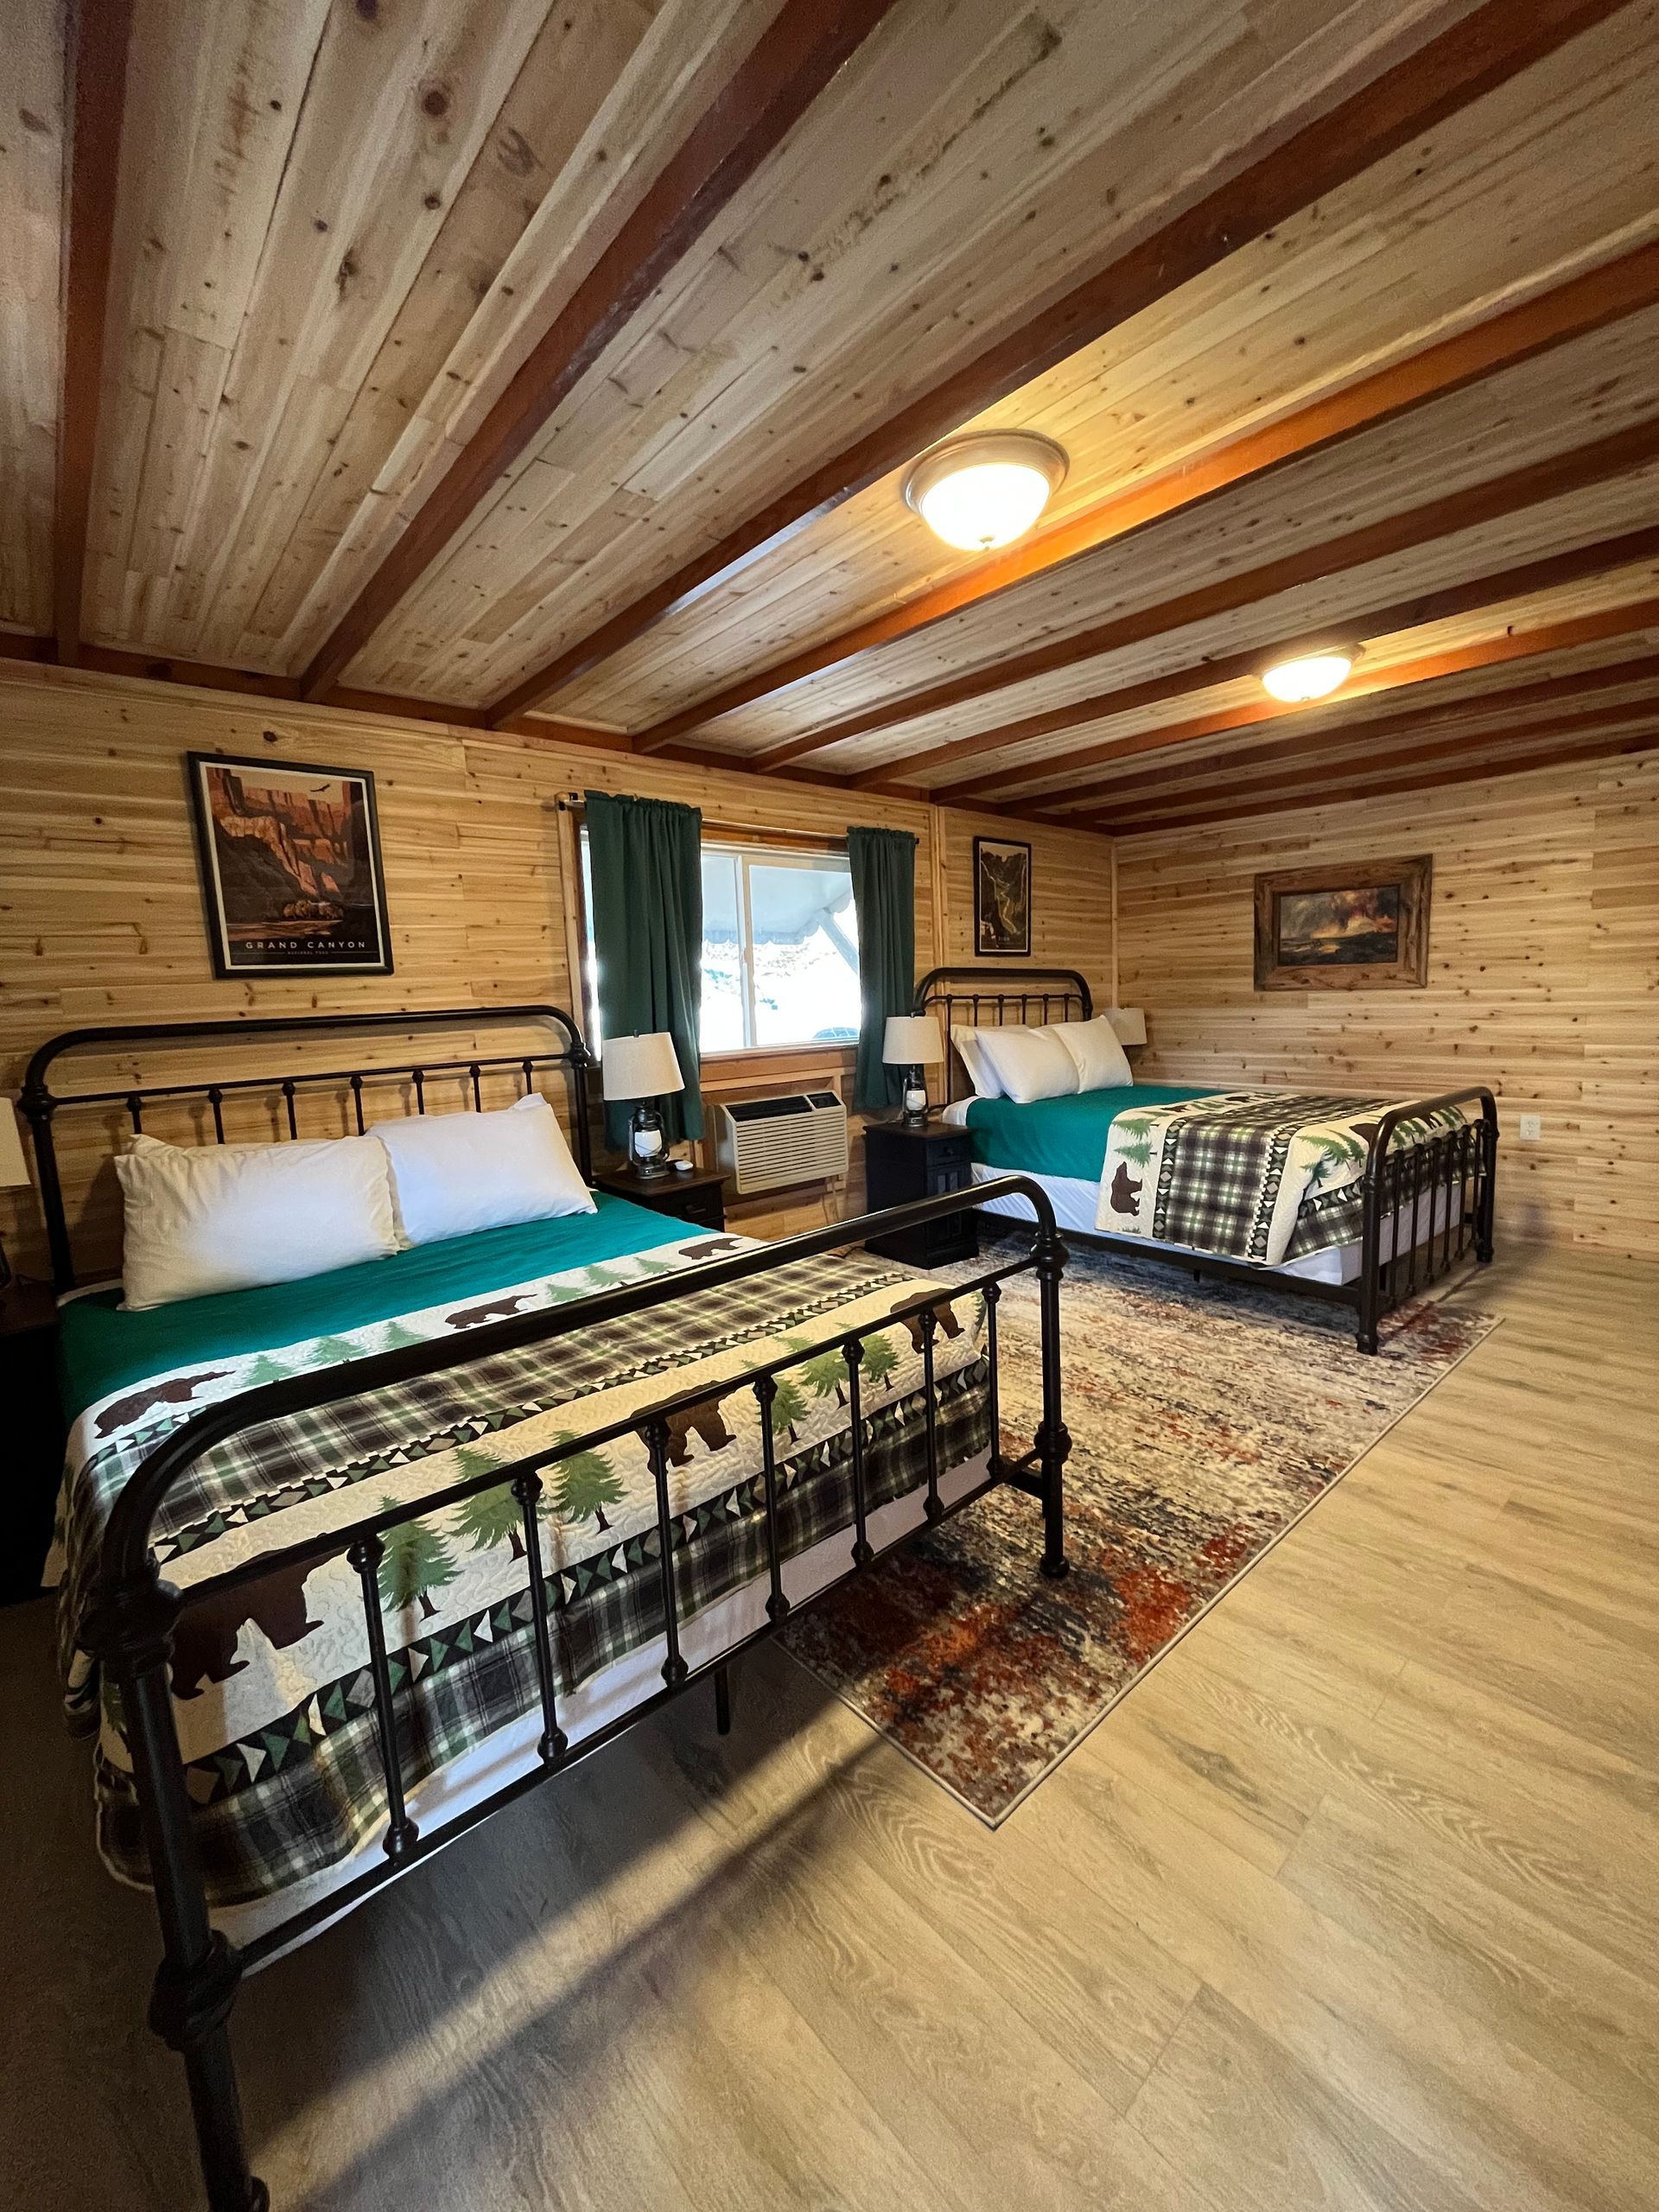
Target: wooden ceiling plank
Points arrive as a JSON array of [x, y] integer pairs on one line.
[[1257, 763], [1573, 309], [100, 35], [1471, 57], [1529, 577], [1578, 470], [802, 49], [1342, 753], [1550, 689], [1488, 652], [31, 207], [1380, 786]]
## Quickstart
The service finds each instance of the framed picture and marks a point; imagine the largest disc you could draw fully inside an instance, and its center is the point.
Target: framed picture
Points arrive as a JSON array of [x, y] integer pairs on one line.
[[1001, 897], [1344, 929], [291, 867]]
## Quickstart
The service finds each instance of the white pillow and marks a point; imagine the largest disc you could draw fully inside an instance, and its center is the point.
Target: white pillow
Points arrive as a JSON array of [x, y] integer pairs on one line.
[[1029, 1064], [234, 1217], [981, 1073], [1101, 1061], [453, 1174]]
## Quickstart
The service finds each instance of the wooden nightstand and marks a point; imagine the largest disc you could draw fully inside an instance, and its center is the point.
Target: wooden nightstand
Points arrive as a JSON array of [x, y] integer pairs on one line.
[[699, 1197], [33, 1447], [901, 1163]]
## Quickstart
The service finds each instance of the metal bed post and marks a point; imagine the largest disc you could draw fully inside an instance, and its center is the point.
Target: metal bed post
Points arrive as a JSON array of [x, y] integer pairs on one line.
[[1053, 1440], [1486, 1179], [131, 1633]]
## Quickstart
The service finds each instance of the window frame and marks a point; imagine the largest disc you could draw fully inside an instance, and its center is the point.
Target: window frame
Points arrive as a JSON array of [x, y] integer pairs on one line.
[[781, 849]]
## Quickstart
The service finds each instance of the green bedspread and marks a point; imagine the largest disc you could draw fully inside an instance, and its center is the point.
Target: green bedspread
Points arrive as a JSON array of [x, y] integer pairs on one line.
[[1061, 1136], [103, 1348]]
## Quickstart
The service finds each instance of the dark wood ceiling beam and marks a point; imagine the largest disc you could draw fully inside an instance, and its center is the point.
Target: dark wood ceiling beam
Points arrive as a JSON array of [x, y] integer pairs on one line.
[[1583, 304], [1268, 184], [96, 95], [1382, 786], [1486, 652], [1342, 755], [1469, 508], [1413, 722], [790, 64]]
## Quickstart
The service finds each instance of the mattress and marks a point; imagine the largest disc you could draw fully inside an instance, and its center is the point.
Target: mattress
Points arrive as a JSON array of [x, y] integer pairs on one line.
[[272, 1698]]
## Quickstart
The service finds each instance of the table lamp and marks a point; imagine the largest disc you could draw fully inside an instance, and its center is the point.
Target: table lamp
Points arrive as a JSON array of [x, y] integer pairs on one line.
[[14, 1169], [644, 1069], [912, 1042]]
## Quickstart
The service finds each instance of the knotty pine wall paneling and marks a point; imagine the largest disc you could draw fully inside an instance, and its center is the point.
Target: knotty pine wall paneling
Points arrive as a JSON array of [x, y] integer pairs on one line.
[[1543, 976], [101, 916]]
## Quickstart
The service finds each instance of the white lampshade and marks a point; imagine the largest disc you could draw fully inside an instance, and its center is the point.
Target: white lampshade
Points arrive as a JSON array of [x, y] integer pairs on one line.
[[640, 1067], [14, 1168], [913, 1040], [1129, 1024]]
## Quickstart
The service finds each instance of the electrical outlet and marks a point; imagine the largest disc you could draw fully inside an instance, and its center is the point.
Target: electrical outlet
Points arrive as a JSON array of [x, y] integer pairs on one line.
[[1530, 1129]]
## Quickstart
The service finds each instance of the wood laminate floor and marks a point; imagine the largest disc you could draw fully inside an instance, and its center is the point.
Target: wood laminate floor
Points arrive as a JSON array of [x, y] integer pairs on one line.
[[1354, 1902]]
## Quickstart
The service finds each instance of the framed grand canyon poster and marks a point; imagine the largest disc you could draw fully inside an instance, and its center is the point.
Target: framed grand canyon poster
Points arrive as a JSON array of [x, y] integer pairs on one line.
[[291, 867], [1346, 928]]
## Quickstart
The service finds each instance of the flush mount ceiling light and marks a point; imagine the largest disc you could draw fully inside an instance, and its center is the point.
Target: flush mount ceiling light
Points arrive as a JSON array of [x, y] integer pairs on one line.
[[986, 489], [1313, 674]]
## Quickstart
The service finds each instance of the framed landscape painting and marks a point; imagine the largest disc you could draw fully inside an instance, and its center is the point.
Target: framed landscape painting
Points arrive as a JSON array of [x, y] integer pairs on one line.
[[1364, 927], [291, 867], [1001, 897]]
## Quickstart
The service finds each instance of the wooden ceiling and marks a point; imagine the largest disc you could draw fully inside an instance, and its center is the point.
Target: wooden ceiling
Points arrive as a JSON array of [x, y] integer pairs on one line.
[[556, 369]]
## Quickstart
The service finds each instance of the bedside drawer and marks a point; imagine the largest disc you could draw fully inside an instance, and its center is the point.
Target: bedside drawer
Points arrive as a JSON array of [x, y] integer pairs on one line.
[[705, 1209], [949, 1165]]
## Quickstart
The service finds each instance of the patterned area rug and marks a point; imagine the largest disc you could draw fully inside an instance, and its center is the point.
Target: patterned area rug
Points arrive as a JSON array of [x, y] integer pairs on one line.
[[1205, 1420]]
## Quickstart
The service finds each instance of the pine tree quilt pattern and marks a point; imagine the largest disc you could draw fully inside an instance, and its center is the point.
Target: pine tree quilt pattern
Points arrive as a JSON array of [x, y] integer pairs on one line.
[[270, 1682], [1262, 1175]]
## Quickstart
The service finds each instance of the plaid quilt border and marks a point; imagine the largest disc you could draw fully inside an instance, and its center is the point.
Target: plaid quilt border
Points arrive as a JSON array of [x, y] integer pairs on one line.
[[308, 1790]]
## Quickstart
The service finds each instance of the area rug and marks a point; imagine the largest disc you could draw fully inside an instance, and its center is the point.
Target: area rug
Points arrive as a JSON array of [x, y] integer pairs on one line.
[[1205, 1420]]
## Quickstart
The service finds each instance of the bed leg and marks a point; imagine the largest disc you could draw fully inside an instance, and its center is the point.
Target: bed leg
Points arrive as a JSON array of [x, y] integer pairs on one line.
[[131, 1633], [1054, 1439], [723, 1701], [1486, 1204]]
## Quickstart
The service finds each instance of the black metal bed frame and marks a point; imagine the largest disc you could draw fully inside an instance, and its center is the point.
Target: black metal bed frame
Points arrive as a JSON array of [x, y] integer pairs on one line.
[[1455, 1171], [135, 1613]]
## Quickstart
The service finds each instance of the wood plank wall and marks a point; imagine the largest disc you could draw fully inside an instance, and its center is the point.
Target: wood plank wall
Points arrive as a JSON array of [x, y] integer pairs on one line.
[[100, 913], [1543, 976]]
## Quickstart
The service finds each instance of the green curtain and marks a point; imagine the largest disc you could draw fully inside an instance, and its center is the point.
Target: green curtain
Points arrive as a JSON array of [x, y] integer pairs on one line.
[[883, 866], [645, 855]]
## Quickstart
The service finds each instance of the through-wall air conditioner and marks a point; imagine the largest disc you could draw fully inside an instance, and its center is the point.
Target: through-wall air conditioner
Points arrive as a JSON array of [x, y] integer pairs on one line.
[[767, 1143]]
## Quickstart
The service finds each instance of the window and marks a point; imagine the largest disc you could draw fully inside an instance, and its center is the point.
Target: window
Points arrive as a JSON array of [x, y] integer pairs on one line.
[[780, 948]]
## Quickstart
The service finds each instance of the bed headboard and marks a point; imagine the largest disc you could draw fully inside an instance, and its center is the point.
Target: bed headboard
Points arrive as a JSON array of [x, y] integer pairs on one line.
[[281, 1089], [987, 998]]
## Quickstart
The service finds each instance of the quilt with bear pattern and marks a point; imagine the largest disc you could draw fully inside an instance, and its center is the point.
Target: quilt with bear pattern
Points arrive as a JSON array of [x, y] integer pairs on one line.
[[271, 1681]]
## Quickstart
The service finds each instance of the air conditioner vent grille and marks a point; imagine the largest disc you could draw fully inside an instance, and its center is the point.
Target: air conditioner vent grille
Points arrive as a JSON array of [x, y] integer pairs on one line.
[[799, 1137]]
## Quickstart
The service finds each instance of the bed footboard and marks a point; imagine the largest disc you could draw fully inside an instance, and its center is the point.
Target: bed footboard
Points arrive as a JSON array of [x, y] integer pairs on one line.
[[1452, 1175], [131, 1627]]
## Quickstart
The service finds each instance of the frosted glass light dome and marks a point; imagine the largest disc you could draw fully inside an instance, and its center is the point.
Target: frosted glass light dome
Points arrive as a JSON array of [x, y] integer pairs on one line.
[[984, 491], [1311, 676]]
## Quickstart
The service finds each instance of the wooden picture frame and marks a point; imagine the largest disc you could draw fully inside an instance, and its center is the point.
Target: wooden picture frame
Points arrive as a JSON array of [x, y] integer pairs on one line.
[[291, 877], [1360, 926], [1002, 899]]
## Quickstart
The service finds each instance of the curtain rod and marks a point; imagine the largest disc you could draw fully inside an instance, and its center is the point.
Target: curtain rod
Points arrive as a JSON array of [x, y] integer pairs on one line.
[[575, 802]]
